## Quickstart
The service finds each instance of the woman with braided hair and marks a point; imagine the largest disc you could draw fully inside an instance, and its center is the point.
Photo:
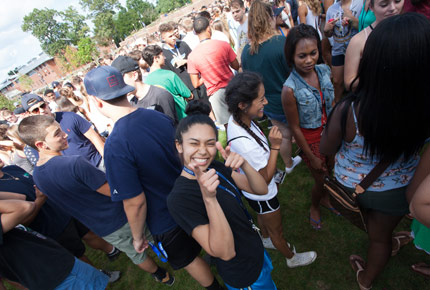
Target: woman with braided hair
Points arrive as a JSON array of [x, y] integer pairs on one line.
[[245, 97]]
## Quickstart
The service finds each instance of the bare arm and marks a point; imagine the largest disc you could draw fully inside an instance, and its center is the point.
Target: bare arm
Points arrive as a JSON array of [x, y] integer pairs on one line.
[[208, 236], [11, 195], [235, 64], [96, 139], [196, 80], [275, 138], [420, 203], [302, 12], [352, 60], [135, 209], [104, 189], [14, 212], [422, 171]]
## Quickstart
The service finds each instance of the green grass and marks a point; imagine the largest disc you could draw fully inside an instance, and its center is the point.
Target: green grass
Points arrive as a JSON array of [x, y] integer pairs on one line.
[[334, 243]]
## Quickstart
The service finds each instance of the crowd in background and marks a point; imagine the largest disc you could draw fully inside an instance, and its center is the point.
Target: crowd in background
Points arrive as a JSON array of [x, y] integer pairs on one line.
[[122, 156]]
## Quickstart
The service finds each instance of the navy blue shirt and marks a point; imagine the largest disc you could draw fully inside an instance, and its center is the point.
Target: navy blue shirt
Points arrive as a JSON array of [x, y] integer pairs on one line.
[[50, 221], [71, 182], [75, 127], [140, 156]]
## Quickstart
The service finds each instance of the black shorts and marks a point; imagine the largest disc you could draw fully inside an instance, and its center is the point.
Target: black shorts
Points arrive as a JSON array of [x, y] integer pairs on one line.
[[338, 60], [264, 206], [181, 249], [71, 238]]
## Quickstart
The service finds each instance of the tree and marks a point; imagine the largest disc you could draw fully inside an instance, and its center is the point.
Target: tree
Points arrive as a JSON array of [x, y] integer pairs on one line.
[[76, 28], [168, 5], [25, 82], [126, 21], [43, 25], [145, 10], [99, 6], [87, 50]]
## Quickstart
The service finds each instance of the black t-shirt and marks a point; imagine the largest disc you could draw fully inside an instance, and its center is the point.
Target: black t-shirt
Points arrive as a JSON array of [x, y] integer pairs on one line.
[[186, 205], [182, 50], [50, 221], [33, 260]]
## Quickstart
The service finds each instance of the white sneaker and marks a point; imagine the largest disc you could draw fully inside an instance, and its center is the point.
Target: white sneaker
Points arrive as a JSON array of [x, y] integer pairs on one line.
[[301, 259], [267, 243], [296, 161]]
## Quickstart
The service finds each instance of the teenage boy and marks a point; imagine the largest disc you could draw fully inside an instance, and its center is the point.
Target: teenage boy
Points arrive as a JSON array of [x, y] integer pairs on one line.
[[142, 166], [167, 79], [35, 261], [210, 63], [145, 96], [81, 190], [83, 139]]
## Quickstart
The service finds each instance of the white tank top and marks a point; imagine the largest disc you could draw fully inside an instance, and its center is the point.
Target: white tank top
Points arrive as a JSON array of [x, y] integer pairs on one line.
[[312, 20]]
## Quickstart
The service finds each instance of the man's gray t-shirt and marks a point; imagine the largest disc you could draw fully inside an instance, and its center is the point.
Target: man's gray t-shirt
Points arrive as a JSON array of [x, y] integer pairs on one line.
[[157, 98]]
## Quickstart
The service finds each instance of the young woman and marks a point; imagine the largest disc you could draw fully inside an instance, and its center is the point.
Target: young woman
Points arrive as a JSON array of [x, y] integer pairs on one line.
[[206, 202], [366, 128], [382, 9], [245, 99], [286, 15], [307, 99], [264, 54], [342, 24], [310, 14], [280, 26]]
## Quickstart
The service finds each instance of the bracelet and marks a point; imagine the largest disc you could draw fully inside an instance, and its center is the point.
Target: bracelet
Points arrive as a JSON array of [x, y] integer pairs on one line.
[[275, 149]]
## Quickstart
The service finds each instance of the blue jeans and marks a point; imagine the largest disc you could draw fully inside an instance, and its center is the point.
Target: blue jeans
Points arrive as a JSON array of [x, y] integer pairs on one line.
[[264, 281]]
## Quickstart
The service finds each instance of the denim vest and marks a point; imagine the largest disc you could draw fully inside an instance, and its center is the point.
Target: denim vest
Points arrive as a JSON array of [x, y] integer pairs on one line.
[[308, 98]]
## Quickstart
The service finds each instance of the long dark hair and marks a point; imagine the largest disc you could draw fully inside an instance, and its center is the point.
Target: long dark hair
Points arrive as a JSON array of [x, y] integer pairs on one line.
[[198, 113], [393, 95], [243, 88]]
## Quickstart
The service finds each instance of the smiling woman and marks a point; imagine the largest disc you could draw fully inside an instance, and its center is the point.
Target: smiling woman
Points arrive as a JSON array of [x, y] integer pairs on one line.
[[206, 203]]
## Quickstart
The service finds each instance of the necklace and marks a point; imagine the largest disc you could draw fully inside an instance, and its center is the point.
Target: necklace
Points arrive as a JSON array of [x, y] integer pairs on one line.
[[11, 177]]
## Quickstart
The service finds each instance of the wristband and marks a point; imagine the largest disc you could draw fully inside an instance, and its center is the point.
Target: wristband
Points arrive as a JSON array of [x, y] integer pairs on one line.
[[275, 149]]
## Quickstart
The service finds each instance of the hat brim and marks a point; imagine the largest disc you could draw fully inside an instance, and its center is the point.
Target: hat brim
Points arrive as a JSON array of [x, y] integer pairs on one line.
[[119, 93]]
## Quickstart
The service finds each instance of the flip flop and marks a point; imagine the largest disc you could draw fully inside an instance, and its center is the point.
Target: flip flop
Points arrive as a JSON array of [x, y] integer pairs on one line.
[[400, 239], [333, 210], [316, 225], [418, 269], [357, 264]]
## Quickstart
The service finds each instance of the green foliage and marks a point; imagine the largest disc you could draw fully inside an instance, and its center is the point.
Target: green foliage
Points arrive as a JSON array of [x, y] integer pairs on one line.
[[87, 51], [71, 55], [145, 10], [76, 26], [100, 6], [26, 82], [165, 6], [5, 102], [43, 25], [104, 27]]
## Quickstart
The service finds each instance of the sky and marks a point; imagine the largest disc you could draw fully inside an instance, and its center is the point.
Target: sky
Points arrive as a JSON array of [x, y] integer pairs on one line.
[[18, 47]]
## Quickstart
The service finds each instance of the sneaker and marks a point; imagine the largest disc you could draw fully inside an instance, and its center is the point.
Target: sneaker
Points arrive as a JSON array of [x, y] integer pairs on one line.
[[301, 259], [113, 275], [293, 249], [168, 280], [296, 161], [114, 255], [267, 243]]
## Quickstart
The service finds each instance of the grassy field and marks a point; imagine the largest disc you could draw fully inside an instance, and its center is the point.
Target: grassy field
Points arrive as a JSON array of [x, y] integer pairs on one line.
[[334, 243]]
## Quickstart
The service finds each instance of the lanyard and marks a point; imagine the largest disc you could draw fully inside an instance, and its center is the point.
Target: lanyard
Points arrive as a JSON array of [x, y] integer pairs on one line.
[[177, 51], [236, 196]]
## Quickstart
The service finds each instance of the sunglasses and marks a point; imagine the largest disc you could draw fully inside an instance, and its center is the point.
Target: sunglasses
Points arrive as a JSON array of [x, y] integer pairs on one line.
[[36, 110]]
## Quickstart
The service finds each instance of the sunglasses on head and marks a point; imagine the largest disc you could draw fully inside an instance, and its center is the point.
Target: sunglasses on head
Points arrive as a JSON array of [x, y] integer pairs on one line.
[[37, 109]]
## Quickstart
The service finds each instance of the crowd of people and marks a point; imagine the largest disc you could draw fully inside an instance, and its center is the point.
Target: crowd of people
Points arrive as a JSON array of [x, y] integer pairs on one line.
[[126, 156]]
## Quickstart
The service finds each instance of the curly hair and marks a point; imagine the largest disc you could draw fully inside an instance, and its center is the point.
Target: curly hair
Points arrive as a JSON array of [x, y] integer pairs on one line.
[[260, 24], [314, 5]]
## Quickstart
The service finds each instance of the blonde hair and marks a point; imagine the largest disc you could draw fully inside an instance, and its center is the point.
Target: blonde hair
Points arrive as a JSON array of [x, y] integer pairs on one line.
[[260, 24], [314, 6]]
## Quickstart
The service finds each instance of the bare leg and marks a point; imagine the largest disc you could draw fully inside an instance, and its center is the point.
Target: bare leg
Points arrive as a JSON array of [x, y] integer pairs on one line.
[[200, 271], [317, 194], [337, 72], [273, 223], [380, 227], [326, 51], [286, 146], [148, 265], [97, 243], [262, 226]]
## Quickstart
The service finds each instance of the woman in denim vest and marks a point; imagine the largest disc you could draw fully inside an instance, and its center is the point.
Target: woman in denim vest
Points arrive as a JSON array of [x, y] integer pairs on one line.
[[307, 99]]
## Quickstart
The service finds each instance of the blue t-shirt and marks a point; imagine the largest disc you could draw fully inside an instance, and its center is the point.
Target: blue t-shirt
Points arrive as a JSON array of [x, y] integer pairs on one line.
[[75, 127], [50, 221], [140, 156], [71, 183]]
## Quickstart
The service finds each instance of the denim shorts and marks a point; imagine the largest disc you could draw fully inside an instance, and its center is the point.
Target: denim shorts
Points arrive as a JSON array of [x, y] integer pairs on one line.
[[84, 276], [264, 281]]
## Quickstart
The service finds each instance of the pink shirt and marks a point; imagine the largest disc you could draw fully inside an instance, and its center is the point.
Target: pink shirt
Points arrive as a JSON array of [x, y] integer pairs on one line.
[[211, 59]]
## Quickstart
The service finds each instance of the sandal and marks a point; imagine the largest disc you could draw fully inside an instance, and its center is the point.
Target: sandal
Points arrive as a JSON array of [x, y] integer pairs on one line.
[[316, 225], [357, 264], [400, 239], [422, 269], [333, 210]]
